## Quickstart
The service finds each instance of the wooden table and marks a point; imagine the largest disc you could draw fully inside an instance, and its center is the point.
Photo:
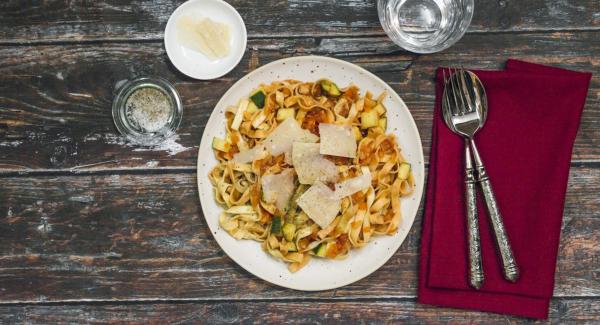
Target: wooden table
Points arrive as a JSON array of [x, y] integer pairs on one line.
[[94, 229]]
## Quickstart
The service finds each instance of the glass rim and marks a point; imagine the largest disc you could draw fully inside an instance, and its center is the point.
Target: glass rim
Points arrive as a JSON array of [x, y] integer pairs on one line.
[[440, 46], [146, 138]]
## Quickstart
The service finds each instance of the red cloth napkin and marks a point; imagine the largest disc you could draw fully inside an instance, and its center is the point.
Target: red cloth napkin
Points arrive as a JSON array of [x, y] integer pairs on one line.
[[526, 144]]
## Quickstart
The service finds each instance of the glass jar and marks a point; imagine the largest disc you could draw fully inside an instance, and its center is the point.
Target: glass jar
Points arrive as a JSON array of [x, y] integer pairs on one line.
[[147, 110]]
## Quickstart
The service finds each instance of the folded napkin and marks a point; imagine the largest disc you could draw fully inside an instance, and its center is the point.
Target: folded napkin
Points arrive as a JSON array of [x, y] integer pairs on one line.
[[526, 144]]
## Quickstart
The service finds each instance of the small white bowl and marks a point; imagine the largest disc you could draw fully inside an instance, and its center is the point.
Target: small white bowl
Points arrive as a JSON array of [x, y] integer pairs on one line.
[[195, 64]]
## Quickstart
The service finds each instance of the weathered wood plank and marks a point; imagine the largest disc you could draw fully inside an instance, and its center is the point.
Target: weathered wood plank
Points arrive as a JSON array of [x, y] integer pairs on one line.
[[55, 100], [278, 312], [129, 237], [135, 19]]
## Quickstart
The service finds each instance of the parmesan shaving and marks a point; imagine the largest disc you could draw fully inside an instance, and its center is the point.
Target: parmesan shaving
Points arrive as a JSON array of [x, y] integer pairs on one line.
[[320, 204], [337, 140], [310, 164], [285, 134], [204, 35], [353, 185], [278, 188]]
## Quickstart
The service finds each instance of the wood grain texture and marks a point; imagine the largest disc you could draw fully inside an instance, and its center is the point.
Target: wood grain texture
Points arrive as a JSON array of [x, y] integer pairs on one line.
[[131, 237], [563, 311], [55, 100], [135, 19]]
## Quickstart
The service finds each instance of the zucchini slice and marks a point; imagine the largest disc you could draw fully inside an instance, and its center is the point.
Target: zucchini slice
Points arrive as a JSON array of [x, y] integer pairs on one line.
[[369, 119], [404, 170], [380, 109], [284, 113], [289, 230], [291, 247], [330, 88], [220, 144], [321, 250], [258, 97], [252, 108], [383, 123], [276, 226]]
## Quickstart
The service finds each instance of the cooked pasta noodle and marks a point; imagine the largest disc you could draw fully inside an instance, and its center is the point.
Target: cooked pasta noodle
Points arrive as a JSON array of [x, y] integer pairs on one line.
[[286, 231]]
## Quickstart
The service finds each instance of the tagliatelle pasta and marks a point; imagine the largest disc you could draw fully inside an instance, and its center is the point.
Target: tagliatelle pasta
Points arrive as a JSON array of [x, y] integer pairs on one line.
[[342, 202]]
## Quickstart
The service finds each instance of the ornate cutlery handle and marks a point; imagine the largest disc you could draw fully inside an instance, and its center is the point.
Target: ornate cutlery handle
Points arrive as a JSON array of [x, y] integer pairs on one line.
[[475, 266], [509, 265]]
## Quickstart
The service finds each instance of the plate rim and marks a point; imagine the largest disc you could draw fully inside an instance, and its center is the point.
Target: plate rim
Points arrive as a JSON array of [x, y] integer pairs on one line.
[[227, 69], [420, 157]]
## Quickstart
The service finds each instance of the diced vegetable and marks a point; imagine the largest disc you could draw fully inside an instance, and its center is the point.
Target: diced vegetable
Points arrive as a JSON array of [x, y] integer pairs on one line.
[[289, 230], [357, 134], [284, 113], [258, 97], [330, 88], [334, 91], [369, 119], [251, 108], [379, 109], [220, 144], [321, 250], [276, 226], [383, 123], [404, 170], [237, 120], [291, 247]]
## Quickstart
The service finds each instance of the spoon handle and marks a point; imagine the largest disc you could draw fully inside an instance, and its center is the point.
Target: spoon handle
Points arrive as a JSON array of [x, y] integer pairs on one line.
[[509, 265], [475, 266]]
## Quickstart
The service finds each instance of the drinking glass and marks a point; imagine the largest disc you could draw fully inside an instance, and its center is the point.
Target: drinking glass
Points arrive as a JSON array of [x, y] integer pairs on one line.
[[425, 26]]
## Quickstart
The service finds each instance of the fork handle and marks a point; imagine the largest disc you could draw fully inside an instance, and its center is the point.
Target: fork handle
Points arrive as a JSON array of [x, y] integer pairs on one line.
[[509, 265], [475, 266]]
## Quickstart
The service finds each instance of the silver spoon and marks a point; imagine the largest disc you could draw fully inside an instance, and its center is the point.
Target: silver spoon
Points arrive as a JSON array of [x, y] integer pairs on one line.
[[449, 108], [472, 112]]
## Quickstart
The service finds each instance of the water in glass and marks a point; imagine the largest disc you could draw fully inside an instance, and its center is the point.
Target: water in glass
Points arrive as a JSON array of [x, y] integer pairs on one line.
[[425, 26]]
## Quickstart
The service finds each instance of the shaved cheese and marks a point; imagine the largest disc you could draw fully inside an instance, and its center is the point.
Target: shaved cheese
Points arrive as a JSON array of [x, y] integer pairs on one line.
[[278, 189], [288, 158], [353, 185], [320, 204], [239, 114], [337, 140], [280, 140], [310, 164], [250, 155]]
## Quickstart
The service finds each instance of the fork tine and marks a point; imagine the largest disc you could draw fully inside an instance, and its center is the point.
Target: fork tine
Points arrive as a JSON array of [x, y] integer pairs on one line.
[[456, 89], [467, 93], [447, 97]]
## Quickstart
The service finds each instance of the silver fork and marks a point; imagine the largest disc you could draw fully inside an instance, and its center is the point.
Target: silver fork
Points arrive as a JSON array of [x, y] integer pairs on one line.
[[467, 120], [449, 110]]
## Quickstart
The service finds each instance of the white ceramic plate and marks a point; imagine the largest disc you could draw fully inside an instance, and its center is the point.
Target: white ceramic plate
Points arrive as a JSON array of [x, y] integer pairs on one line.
[[319, 274], [193, 63]]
